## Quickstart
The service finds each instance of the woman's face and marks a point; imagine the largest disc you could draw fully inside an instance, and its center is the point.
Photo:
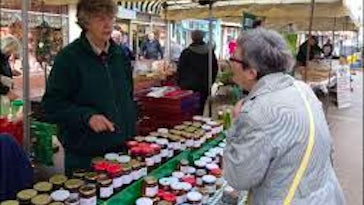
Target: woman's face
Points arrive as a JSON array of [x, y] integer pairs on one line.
[[100, 26], [243, 76]]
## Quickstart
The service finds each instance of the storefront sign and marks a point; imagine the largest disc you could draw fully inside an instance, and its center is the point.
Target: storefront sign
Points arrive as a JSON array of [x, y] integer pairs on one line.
[[126, 13], [143, 17]]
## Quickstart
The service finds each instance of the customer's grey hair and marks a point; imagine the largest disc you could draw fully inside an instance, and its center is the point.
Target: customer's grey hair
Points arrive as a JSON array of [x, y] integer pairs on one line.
[[10, 45], [265, 51]]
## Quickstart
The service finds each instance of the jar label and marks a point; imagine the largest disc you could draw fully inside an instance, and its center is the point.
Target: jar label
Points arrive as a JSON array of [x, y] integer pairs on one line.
[[164, 153], [135, 175], [177, 146], [106, 192], [211, 188], [126, 179], [157, 158], [149, 161], [170, 153], [189, 143], [143, 172], [117, 182], [170, 145], [88, 201], [197, 144], [151, 191], [183, 146], [184, 169], [180, 199]]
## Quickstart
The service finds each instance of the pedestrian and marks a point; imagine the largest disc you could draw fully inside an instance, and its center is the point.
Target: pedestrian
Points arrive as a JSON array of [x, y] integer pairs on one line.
[[327, 49], [315, 51], [89, 93], [279, 131], [118, 38], [193, 68], [176, 50], [151, 48]]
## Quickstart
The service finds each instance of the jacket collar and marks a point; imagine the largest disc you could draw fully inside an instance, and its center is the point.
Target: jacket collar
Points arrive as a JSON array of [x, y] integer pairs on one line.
[[270, 83], [88, 47]]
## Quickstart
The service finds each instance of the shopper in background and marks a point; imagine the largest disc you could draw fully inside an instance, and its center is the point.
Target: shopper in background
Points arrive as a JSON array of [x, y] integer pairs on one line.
[[117, 37], [315, 51], [193, 68], [176, 50], [10, 47], [151, 48], [89, 92], [327, 49], [272, 127]]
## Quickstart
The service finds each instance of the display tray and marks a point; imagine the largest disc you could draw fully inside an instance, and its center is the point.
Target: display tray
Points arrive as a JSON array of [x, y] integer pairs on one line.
[[129, 195]]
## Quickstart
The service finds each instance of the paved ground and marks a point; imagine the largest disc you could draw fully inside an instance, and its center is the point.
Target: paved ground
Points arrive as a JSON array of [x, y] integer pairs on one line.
[[347, 132]]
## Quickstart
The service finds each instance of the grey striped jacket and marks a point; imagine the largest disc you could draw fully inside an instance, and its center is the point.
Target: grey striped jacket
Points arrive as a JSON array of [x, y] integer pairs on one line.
[[267, 141]]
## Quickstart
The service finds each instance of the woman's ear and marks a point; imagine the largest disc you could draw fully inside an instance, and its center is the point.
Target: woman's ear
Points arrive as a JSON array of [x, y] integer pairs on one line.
[[252, 74]]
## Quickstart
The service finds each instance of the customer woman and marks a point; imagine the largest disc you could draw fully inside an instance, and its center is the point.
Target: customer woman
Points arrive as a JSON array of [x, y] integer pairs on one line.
[[10, 46], [279, 146]]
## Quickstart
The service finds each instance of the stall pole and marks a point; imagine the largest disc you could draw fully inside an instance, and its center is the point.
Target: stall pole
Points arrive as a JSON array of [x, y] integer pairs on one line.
[[25, 64], [210, 61], [328, 84], [309, 35]]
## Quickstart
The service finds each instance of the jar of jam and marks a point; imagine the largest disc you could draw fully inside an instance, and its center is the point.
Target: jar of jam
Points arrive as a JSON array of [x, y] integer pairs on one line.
[[164, 202], [101, 166], [215, 127], [157, 158], [105, 186], [211, 166], [9, 202], [194, 198], [58, 180], [150, 187], [135, 166], [88, 195], [143, 169], [91, 177], [96, 160], [208, 160], [73, 185], [183, 143], [111, 156], [131, 143], [42, 199], [126, 176], [183, 166], [189, 179], [79, 173], [200, 165], [163, 143], [209, 183], [170, 198], [115, 173], [196, 141], [43, 187], [187, 187], [139, 138], [136, 153], [177, 190], [72, 201], [124, 159], [170, 149], [199, 174], [60, 195], [178, 175], [164, 184], [26, 195], [205, 196], [219, 178], [191, 171], [57, 203], [144, 201], [189, 140], [149, 160]]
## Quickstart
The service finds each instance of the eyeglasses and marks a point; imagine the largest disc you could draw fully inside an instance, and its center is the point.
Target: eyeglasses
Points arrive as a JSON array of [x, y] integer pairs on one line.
[[232, 59]]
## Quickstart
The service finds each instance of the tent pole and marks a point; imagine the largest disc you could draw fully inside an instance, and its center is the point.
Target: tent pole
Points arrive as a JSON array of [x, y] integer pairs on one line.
[[210, 61], [25, 65], [328, 84], [309, 35]]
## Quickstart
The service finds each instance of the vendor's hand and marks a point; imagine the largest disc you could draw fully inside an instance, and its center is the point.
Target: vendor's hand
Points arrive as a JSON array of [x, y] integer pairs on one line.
[[237, 109], [12, 96], [99, 123]]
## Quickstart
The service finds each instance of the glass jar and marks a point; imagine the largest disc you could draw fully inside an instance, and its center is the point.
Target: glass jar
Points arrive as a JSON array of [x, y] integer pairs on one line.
[[143, 169], [219, 178], [208, 160], [57, 203], [177, 190], [149, 160], [170, 149], [164, 202], [150, 187], [164, 184], [26, 195], [132, 143], [170, 198], [60, 195], [88, 195], [72, 201], [178, 175], [200, 165], [79, 173], [144, 201], [208, 131], [196, 141], [91, 177], [111, 156], [124, 159], [163, 143], [136, 153], [209, 183], [183, 143], [42, 199], [199, 175], [194, 198], [211, 166], [187, 187], [58, 180], [191, 171], [43, 187], [189, 179], [101, 166], [126, 177], [105, 187], [135, 173], [115, 173], [205, 196], [157, 157], [73, 185], [183, 166], [9, 202]]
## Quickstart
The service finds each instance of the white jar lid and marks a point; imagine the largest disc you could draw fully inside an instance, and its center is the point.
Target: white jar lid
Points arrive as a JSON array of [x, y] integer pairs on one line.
[[222, 144], [191, 170], [212, 123], [111, 156], [177, 186], [194, 196], [178, 175], [163, 130], [209, 179], [165, 181], [200, 163], [124, 159], [144, 201], [206, 159], [162, 141], [151, 139], [197, 118], [206, 119], [212, 166], [60, 195], [186, 186], [206, 127], [210, 154], [173, 180]]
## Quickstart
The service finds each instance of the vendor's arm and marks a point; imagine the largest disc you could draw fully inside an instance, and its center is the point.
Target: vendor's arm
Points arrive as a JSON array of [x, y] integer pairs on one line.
[[247, 155], [58, 100]]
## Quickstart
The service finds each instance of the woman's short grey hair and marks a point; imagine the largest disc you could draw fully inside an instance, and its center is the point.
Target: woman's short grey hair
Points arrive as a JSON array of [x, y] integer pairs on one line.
[[265, 51], [88, 8], [10, 45]]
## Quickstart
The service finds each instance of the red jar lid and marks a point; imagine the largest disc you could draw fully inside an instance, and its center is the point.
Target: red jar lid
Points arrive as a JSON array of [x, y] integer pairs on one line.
[[131, 144], [135, 150], [189, 179], [144, 144], [155, 147], [114, 168], [101, 165], [147, 150], [216, 171], [170, 197], [161, 193]]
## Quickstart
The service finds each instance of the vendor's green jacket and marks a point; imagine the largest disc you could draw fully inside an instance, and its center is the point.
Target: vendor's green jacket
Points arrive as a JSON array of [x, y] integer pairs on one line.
[[81, 85]]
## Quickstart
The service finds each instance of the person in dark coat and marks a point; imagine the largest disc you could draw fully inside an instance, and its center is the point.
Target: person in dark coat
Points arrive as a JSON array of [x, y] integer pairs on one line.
[[9, 46], [193, 68], [117, 37], [327, 49], [315, 51], [151, 48], [89, 93]]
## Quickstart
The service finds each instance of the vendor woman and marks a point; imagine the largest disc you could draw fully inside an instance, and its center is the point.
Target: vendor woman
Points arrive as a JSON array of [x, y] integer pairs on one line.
[[89, 94]]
